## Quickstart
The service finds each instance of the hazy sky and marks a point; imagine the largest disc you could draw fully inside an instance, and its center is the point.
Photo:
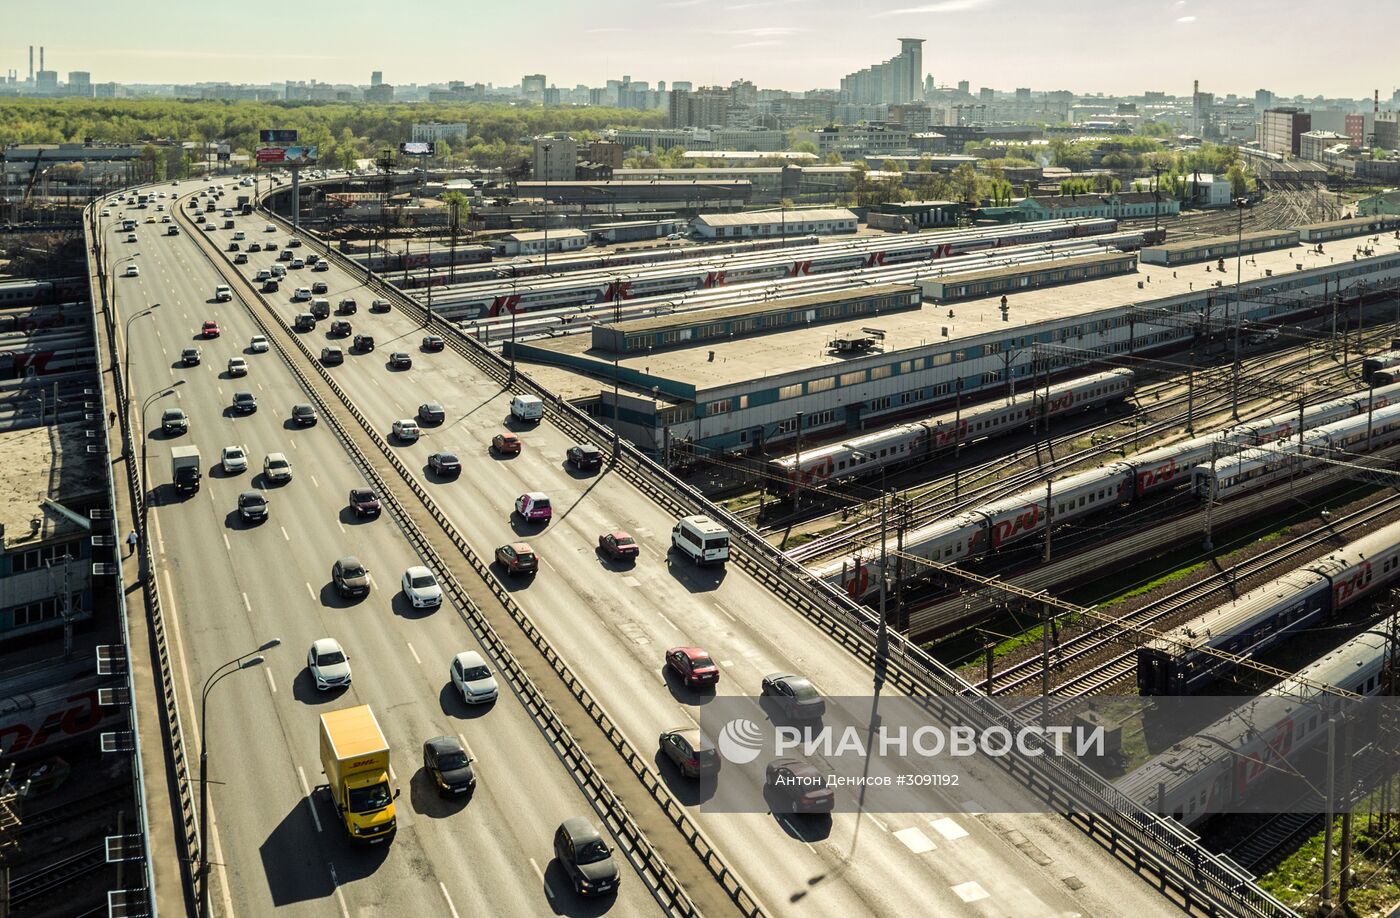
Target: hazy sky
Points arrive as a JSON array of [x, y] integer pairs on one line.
[[1288, 46]]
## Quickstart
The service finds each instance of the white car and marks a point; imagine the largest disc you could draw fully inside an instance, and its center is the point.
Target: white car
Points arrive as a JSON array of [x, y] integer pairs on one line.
[[269, 228], [297, 264], [223, 293], [406, 430], [421, 588], [329, 665], [132, 271], [237, 366], [258, 344], [473, 678], [234, 459], [239, 236], [277, 468], [301, 293]]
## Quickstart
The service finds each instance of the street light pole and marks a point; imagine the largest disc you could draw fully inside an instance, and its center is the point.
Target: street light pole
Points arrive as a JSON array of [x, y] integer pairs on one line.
[[242, 661], [546, 208], [145, 489], [1239, 312], [126, 343], [617, 302]]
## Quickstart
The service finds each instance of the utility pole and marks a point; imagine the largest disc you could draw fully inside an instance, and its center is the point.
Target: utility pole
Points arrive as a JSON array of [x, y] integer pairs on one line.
[[957, 436], [1208, 545], [797, 470], [1049, 516], [1044, 665], [546, 207], [1239, 312]]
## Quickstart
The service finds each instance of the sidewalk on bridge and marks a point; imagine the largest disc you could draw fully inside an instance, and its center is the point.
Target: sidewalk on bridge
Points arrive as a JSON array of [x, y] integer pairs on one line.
[[157, 768]]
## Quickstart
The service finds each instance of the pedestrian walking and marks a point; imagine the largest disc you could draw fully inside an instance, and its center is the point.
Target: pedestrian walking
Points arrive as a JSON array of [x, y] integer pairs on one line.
[[131, 543], [111, 419]]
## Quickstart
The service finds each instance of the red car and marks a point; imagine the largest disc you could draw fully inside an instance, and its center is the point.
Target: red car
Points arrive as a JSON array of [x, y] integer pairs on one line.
[[507, 444], [693, 665], [210, 329], [619, 545]]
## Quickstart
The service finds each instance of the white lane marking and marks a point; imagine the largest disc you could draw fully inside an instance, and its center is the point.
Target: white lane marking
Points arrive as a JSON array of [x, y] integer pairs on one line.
[[247, 605], [294, 443], [878, 824], [314, 481], [284, 533], [340, 896], [725, 612], [540, 873], [416, 658], [794, 833], [450, 907], [270, 684], [310, 591], [393, 777], [220, 391], [971, 891], [663, 617], [465, 748], [341, 525], [972, 807], [916, 841], [948, 828], [227, 546]]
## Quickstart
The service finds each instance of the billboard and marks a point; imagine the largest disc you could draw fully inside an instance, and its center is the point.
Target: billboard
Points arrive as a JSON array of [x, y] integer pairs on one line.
[[287, 156], [278, 136], [419, 148]]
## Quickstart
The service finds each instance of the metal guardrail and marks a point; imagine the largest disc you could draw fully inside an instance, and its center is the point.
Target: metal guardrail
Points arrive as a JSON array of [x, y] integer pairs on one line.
[[1149, 843], [629, 834]]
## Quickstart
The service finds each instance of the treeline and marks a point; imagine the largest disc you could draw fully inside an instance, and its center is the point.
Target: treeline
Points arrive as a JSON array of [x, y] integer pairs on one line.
[[344, 131]]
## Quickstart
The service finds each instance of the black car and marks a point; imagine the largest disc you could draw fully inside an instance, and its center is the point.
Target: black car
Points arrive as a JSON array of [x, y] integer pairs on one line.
[[379, 306], [294, 243], [586, 857], [431, 413], [364, 502], [190, 356], [796, 786], [304, 415], [449, 766], [255, 247], [400, 360], [252, 506], [364, 343], [330, 356], [233, 247], [347, 307], [271, 285], [173, 421], [794, 695], [319, 287], [433, 343], [445, 464], [691, 751], [584, 456], [245, 402], [240, 258], [350, 577], [340, 329]]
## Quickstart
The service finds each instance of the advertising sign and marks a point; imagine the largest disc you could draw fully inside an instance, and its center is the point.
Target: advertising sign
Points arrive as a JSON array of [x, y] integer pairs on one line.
[[288, 156], [278, 136], [419, 148]]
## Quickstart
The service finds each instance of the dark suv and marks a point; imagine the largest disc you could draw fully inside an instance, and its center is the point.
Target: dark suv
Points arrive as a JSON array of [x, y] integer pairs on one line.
[[691, 751], [431, 413], [584, 456], [586, 857], [364, 502], [350, 577], [304, 415]]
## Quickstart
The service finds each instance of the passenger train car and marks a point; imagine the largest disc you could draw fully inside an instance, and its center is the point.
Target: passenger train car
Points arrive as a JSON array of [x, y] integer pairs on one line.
[[43, 292], [1373, 365], [1252, 469], [1215, 770], [1177, 663], [992, 526], [919, 440], [490, 299]]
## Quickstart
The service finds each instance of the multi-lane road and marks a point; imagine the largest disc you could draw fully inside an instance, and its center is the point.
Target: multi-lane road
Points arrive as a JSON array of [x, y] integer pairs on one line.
[[233, 586]]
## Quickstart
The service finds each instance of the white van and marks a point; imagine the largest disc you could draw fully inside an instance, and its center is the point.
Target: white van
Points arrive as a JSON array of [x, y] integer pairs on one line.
[[527, 408], [702, 539]]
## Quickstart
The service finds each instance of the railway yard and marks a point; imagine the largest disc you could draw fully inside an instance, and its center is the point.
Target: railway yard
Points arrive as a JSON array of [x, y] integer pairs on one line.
[[1246, 450]]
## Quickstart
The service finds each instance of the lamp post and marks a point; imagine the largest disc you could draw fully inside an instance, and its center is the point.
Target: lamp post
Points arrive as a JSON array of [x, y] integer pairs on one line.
[[617, 351], [242, 661], [511, 304], [112, 276], [546, 207], [126, 344], [145, 490], [883, 636], [1239, 311]]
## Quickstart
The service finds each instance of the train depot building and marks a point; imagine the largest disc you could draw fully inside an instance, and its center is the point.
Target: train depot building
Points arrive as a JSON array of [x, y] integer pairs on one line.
[[738, 387]]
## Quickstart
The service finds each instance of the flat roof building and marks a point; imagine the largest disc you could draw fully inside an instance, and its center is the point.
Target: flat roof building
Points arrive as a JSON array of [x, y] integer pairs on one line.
[[747, 392], [540, 241], [775, 223]]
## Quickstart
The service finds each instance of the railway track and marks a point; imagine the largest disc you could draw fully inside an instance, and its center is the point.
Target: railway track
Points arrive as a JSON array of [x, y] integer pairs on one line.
[[48, 879], [1085, 649], [988, 481], [1257, 851]]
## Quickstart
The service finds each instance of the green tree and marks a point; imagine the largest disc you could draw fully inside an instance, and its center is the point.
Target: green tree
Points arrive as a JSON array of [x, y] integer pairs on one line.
[[964, 183], [804, 146]]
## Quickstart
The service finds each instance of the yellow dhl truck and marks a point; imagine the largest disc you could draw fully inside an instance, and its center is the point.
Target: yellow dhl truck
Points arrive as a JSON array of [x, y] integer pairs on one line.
[[355, 759]]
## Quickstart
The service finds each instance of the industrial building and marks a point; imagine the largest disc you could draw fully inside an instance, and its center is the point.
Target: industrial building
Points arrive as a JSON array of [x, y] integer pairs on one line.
[[539, 242], [775, 223], [757, 388], [1217, 247], [963, 286], [692, 195], [1281, 130]]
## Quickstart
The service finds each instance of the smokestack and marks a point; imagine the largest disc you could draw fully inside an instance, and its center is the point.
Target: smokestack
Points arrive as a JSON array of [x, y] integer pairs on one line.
[[1377, 104], [41, 58], [31, 63], [1195, 84]]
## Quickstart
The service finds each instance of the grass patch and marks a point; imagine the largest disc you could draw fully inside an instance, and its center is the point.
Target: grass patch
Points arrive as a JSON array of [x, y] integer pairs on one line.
[[1300, 874]]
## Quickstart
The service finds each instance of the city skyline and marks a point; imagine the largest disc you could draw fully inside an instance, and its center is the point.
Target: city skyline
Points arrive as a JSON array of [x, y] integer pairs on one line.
[[777, 44]]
